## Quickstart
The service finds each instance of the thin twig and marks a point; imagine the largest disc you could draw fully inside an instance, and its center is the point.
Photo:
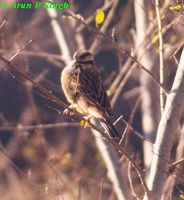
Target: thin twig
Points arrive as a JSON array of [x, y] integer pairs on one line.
[[177, 162], [127, 130], [134, 131], [3, 23], [176, 51], [101, 189], [33, 53], [21, 50], [38, 86], [161, 53], [131, 182], [172, 166], [122, 85], [21, 127]]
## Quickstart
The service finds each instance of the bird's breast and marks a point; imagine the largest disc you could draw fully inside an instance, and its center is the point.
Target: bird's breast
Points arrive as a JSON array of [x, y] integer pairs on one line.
[[67, 77]]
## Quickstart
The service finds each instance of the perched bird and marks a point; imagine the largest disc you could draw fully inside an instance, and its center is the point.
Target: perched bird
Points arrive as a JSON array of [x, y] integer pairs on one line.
[[84, 90]]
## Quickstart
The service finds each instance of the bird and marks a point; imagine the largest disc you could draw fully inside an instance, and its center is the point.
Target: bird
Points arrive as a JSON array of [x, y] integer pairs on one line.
[[84, 90]]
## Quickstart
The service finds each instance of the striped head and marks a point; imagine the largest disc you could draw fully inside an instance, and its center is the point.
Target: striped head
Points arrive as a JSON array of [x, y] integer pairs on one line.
[[83, 57]]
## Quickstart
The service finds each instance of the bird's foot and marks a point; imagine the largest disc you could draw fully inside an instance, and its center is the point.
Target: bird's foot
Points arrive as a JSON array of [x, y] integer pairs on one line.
[[85, 121], [70, 110]]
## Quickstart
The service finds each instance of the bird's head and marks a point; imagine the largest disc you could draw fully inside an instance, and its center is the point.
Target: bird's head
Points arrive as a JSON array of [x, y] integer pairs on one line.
[[83, 56]]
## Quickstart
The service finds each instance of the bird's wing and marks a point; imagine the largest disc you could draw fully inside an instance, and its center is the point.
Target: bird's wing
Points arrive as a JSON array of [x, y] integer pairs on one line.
[[90, 86]]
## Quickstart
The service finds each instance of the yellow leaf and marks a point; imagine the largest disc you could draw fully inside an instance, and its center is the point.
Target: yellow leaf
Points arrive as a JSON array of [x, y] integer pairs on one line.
[[100, 17], [111, 92], [176, 8], [67, 160], [182, 196], [84, 123]]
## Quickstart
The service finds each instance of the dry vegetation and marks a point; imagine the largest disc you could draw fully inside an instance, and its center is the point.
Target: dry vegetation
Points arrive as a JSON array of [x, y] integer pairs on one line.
[[45, 155]]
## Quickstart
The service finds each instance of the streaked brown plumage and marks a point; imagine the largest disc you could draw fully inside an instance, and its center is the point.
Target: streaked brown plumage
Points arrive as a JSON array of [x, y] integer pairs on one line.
[[84, 89]]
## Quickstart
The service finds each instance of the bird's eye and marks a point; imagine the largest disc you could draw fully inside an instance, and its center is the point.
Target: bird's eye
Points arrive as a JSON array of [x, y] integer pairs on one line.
[[84, 55]]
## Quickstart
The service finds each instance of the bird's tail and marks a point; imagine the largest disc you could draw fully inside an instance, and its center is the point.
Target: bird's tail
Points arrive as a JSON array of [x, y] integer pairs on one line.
[[110, 128]]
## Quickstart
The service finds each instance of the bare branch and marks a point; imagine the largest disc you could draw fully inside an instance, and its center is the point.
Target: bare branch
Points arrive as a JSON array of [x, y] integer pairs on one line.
[[59, 35], [161, 53], [21, 50], [131, 182], [21, 127], [166, 131]]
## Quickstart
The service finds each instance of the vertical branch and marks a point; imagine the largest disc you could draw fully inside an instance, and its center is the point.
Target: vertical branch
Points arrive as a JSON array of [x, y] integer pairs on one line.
[[166, 133], [131, 182], [161, 51], [62, 43], [112, 163], [147, 89], [178, 167]]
